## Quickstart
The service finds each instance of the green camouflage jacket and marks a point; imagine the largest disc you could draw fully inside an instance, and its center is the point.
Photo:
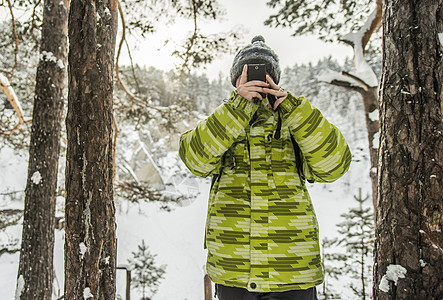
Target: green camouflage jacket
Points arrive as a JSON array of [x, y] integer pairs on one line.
[[261, 228]]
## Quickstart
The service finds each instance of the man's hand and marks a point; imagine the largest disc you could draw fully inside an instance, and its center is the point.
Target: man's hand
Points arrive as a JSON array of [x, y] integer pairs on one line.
[[250, 89], [275, 90]]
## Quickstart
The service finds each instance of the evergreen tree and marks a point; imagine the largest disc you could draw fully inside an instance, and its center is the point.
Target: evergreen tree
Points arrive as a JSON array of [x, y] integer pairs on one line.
[[330, 270], [146, 275], [357, 237]]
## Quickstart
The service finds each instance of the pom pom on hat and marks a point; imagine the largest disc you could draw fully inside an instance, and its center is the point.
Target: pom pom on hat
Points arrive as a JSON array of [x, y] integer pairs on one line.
[[256, 52], [258, 38]]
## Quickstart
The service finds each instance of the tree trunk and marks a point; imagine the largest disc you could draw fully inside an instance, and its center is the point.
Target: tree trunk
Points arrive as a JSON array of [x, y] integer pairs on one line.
[[410, 177], [370, 103], [90, 244], [36, 271]]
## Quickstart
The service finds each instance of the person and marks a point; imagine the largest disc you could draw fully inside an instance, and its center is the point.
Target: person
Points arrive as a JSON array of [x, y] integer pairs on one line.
[[261, 229]]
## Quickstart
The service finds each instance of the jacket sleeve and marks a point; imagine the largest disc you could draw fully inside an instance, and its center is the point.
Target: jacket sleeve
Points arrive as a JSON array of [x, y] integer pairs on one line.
[[201, 149], [325, 152]]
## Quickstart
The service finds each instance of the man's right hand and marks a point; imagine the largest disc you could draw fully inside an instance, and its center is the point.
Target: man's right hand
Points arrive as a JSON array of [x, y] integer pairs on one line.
[[249, 89]]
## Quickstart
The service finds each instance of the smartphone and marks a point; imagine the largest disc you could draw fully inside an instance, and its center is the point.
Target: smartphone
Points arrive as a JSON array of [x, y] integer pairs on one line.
[[257, 72]]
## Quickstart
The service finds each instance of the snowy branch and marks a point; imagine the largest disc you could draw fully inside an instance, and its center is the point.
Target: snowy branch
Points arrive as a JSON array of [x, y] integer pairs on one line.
[[343, 79], [6, 87], [136, 192], [364, 77], [358, 41]]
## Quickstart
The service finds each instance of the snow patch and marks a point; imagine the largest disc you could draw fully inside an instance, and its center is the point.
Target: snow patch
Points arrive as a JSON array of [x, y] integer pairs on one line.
[[440, 38], [373, 116], [422, 263], [50, 57], [36, 178], [83, 249], [87, 293], [20, 286], [393, 273], [375, 140], [437, 247]]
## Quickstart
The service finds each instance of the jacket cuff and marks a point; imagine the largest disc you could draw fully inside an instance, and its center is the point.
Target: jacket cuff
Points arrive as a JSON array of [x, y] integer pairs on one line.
[[289, 104], [238, 102]]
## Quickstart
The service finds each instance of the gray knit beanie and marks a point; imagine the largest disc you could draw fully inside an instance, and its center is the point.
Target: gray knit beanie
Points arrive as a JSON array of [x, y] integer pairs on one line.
[[255, 53]]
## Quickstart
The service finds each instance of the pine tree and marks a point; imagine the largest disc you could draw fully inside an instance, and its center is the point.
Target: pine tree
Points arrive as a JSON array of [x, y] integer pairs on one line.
[[410, 207], [330, 270], [90, 243], [357, 237], [147, 275], [36, 271]]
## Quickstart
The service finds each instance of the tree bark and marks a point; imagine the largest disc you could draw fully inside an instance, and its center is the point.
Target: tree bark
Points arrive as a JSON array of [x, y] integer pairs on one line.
[[35, 272], [410, 177], [370, 103], [90, 244]]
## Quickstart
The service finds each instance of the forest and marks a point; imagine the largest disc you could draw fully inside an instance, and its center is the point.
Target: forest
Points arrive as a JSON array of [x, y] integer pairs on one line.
[[95, 202]]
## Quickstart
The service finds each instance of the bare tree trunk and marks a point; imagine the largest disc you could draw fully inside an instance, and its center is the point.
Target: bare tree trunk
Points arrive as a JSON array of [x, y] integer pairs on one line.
[[370, 103], [90, 245], [35, 274], [410, 177]]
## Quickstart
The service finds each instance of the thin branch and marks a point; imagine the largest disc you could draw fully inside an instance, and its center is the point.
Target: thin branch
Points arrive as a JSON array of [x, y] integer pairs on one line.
[[117, 71], [343, 79], [376, 22], [132, 66], [6, 250], [193, 37], [114, 146], [120, 44], [6, 87], [347, 85], [33, 21], [358, 79], [14, 30]]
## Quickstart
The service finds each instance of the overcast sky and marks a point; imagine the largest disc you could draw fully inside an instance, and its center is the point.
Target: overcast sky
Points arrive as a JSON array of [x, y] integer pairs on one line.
[[246, 14]]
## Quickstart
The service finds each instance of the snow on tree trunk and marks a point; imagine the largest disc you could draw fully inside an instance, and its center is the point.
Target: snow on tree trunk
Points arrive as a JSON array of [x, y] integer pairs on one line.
[[36, 255], [90, 242], [409, 242]]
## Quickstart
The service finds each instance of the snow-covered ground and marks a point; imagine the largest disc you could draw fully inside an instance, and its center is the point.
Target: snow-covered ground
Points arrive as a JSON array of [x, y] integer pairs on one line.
[[177, 236]]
